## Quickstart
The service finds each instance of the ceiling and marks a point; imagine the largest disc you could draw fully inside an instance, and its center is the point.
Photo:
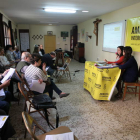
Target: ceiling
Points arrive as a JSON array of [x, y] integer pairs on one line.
[[31, 11]]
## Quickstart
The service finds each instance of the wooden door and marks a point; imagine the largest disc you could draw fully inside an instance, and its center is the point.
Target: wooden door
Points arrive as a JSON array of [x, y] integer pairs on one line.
[[49, 43]]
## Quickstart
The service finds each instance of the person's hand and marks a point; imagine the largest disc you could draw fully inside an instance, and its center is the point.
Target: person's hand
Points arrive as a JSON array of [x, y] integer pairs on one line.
[[40, 81], [6, 83], [44, 66], [5, 72], [105, 60], [114, 64]]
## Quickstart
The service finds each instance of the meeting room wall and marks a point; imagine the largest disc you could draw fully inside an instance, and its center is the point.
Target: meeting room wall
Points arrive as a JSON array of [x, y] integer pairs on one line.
[[42, 30], [93, 52]]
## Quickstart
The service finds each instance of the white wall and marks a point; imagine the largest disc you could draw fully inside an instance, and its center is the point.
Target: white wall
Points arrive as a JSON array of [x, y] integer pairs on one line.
[[91, 50], [42, 30]]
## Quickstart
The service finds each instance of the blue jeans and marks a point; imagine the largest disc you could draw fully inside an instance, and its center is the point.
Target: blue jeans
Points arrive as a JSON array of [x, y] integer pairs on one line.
[[5, 102]]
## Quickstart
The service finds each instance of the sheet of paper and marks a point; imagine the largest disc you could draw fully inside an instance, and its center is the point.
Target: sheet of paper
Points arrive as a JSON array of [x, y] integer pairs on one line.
[[2, 93], [8, 75], [2, 120], [36, 86], [64, 136], [47, 68]]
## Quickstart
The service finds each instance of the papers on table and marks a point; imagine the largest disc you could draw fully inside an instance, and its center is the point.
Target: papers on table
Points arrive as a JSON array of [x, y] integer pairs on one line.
[[106, 67], [36, 86], [2, 93], [2, 120], [100, 62], [8, 75], [64, 136]]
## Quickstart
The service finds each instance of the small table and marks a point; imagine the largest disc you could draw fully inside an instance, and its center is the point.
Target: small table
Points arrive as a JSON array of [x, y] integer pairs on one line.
[[100, 82]]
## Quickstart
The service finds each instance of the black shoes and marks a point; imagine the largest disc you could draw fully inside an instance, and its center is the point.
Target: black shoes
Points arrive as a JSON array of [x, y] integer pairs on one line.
[[64, 95]]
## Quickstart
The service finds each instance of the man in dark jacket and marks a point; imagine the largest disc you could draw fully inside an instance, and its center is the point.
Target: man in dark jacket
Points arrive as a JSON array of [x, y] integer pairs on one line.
[[48, 59]]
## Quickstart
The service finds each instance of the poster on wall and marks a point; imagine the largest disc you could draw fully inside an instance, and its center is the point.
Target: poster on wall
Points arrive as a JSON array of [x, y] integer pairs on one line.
[[133, 34], [83, 32], [86, 37]]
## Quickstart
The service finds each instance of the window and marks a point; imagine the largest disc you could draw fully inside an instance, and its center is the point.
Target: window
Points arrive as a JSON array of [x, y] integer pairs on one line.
[[7, 37]]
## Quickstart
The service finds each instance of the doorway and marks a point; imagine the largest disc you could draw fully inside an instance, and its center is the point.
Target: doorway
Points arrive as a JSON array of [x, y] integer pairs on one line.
[[49, 43]]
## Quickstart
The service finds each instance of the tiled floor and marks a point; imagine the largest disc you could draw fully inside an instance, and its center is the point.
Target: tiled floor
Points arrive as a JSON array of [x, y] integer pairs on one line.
[[87, 118]]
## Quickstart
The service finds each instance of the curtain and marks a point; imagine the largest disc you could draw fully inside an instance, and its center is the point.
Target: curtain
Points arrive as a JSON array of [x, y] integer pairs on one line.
[[2, 43], [11, 34]]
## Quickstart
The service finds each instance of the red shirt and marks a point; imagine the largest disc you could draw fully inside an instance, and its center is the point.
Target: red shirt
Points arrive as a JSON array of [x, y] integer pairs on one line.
[[119, 62]]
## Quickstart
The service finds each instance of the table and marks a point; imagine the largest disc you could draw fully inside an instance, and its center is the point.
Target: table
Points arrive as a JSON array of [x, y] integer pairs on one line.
[[100, 82]]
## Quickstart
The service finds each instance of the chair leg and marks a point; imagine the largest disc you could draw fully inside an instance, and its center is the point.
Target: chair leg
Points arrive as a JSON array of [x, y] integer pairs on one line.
[[124, 92]]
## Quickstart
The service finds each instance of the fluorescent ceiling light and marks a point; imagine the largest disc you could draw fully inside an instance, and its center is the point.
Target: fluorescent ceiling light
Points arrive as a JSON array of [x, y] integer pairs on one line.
[[85, 11], [50, 24], [59, 10]]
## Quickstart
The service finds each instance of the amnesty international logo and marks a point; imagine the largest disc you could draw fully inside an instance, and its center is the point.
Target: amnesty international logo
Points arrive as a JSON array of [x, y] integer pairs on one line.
[[98, 86], [85, 84], [86, 70], [107, 71], [89, 79], [114, 79], [94, 74], [100, 70], [104, 86]]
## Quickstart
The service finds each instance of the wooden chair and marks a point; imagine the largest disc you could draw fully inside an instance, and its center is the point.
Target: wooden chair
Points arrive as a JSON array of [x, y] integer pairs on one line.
[[59, 58], [64, 71], [131, 88], [31, 125]]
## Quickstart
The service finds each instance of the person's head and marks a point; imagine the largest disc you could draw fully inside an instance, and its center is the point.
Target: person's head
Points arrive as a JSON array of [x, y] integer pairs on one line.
[[8, 47], [26, 56], [41, 46], [36, 60], [16, 48], [36, 50], [127, 51], [120, 50], [53, 54], [1, 51]]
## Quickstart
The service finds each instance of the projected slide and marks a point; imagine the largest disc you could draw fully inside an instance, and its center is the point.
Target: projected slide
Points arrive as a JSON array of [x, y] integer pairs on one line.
[[114, 34]]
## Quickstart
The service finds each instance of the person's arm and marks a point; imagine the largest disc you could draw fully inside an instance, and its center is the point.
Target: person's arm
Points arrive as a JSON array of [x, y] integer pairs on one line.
[[128, 64], [5, 84], [120, 61]]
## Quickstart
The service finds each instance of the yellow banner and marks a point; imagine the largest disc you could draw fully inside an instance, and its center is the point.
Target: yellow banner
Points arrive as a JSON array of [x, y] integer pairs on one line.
[[100, 82], [133, 34]]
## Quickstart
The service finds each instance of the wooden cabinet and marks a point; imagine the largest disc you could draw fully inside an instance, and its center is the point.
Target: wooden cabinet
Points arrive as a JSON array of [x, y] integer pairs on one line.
[[78, 53]]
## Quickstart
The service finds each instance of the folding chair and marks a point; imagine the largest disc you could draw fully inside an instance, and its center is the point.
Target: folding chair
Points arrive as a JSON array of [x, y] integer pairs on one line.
[[28, 101], [31, 125], [64, 71]]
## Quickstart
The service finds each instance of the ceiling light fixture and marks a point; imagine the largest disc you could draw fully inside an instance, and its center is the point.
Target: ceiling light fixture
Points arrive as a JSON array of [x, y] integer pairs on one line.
[[60, 10], [85, 11], [50, 24]]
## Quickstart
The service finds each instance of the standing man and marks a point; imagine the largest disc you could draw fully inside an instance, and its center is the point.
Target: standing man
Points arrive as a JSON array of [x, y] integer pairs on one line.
[[41, 49]]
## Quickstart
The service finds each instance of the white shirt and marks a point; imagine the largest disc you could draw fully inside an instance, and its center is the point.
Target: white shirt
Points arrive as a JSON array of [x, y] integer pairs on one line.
[[4, 60]]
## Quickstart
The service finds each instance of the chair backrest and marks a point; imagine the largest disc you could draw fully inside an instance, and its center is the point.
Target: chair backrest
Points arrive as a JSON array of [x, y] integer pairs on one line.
[[65, 66], [29, 124], [139, 72]]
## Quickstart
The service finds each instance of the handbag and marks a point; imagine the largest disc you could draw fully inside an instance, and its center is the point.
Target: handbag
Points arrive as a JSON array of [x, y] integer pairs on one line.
[[44, 102]]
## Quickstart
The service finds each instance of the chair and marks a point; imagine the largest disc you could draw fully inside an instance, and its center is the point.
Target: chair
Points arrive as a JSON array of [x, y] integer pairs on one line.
[[59, 57], [132, 86], [29, 122], [64, 71]]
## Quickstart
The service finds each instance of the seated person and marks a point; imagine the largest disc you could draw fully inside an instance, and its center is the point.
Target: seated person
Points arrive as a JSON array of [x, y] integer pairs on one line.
[[17, 53], [5, 100], [41, 49], [33, 72], [130, 68], [9, 53], [24, 63], [37, 50], [48, 59], [4, 60], [7, 130], [120, 57]]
